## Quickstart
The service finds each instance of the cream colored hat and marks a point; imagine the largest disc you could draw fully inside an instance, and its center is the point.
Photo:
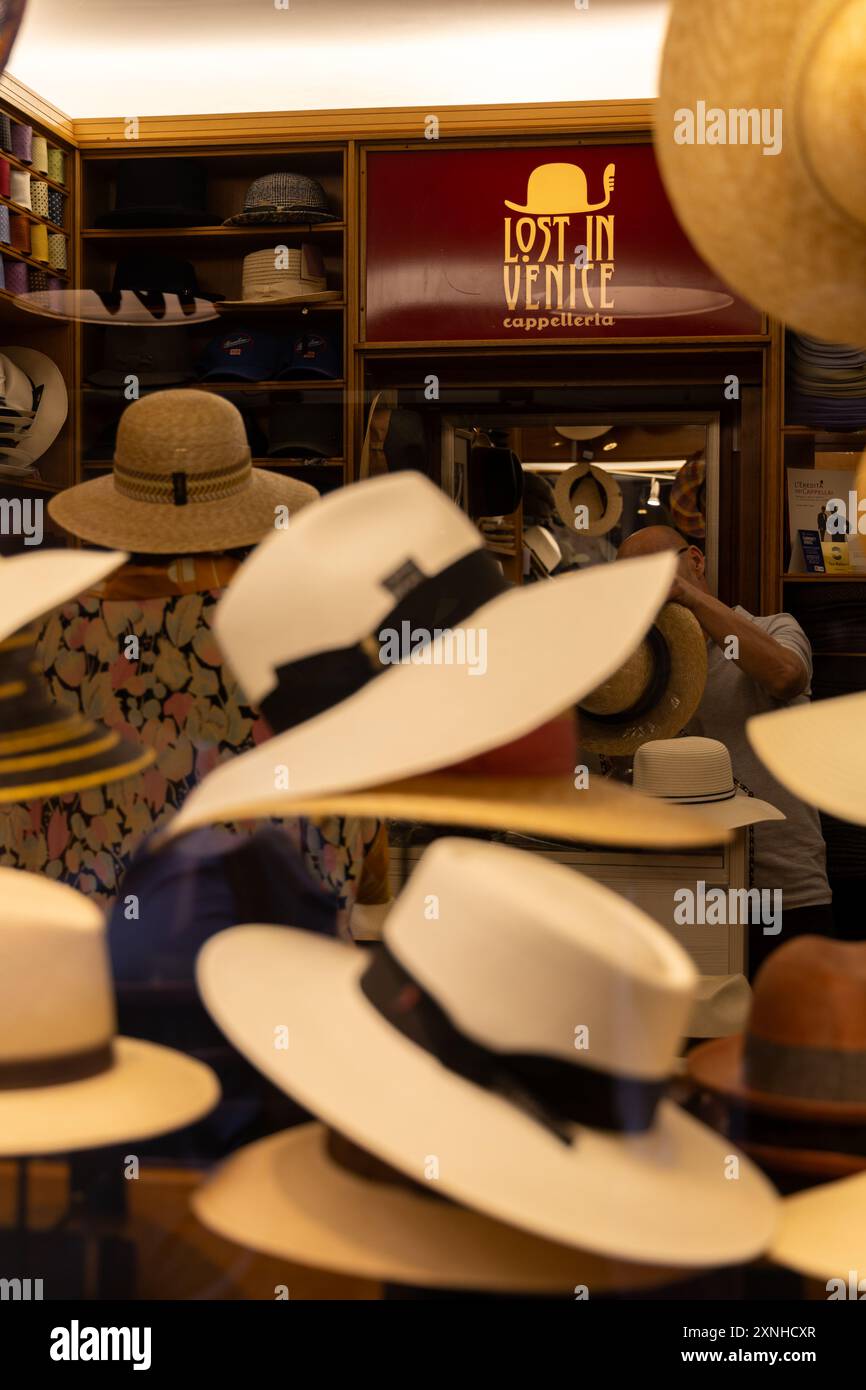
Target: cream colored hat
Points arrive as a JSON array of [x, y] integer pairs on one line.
[[67, 1082], [543, 548], [282, 275], [782, 215], [697, 772], [564, 1004], [305, 626], [182, 482], [38, 580], [818, 751], [655, 691], [306, 1196], [591, 488], [33, 387], [721, 1007], [822, 1234]]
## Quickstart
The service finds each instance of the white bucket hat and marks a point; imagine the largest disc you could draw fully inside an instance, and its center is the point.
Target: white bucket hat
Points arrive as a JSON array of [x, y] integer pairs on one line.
[[302, 627], [294, 1196], [67, 1082], [697, 772], [818, 751], [510, 1043]]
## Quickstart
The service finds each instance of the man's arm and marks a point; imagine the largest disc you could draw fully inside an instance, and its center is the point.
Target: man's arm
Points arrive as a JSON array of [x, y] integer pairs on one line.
[[778, 670]]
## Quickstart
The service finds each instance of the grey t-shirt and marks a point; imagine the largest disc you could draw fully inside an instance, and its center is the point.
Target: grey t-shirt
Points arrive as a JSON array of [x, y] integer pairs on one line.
[[788, 854]]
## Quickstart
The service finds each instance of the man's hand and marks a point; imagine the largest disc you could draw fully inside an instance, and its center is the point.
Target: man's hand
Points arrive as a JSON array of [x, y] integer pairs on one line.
[[683, 592]]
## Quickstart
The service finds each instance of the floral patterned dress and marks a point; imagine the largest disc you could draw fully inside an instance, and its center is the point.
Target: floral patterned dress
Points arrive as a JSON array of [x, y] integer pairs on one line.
[[138, 654]]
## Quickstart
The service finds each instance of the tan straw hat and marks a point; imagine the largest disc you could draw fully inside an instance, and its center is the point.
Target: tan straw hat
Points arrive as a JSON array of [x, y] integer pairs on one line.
[[591, 488], [67, 1081], [182, 482], [654, 694], [282, 275], [697, 772], [818, 751], [761, 142]]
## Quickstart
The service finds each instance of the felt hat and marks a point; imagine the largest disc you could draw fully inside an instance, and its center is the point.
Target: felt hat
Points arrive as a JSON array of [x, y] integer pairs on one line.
[[163, 192], [818, 751], [67, 1081], [302, 278], [820, 1234], [283, 198], [309, 1196], [33, 395], [591, 488], [372, 565], [182, 482], [797, 1074], [655, 691], [697, 772], [452, 1055], [779, 212]]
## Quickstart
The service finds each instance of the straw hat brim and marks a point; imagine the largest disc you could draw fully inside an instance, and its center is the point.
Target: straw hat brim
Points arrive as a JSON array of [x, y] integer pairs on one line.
[[654, 1197], [565, 504], [818, 751], [674, 707], [95, 511], [820, 1232], [737, 811], [719, 1067], [605, 813], [38, 580], [149, 1090], [285, 1196], [301, 297], [762, 222]]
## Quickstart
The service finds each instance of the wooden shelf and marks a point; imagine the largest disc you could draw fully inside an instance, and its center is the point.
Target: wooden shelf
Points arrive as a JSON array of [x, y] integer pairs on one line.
[[302, 306], [253, 387], [266, 230], [31, 215], [28, 169], [37, 484], [28, 260], [824, 578]]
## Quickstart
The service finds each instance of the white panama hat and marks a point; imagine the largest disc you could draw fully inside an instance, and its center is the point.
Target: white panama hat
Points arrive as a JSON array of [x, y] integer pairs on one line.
[[818, 751], [301, 626], [36, 581], [456, 1055], [822, 1232], [67, 1081], [697, 772], [33, 387]]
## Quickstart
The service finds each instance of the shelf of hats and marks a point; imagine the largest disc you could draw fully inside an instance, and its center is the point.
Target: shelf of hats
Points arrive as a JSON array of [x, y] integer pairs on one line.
[[36, 355], [243, 256]]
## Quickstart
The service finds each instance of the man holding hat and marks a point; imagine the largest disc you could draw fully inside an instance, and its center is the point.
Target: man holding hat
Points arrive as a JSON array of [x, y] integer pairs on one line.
[[754, 664]]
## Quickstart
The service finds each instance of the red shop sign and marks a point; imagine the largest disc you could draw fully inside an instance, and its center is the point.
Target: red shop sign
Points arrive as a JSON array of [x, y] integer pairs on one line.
[[533, 245]]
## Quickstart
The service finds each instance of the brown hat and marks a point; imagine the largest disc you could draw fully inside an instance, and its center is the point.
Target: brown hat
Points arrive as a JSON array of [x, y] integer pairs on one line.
[[800, 1066], [182, 482], [584, 485], [654, 693]]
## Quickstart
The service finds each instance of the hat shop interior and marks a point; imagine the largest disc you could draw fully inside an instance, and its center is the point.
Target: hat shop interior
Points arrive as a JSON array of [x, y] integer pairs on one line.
[[433, 654]]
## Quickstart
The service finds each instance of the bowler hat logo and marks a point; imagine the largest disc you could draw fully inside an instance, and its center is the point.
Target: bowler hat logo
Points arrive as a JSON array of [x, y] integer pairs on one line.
[[559, 253]]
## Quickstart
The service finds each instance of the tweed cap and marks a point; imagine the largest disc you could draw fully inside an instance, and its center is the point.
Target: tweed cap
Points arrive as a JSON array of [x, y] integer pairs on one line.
[[182, 483], [283, 197]]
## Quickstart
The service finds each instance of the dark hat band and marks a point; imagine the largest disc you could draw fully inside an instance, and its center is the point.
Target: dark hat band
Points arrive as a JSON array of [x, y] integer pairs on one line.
[[655, 687], [182, 487], [805, 1073], [56, 1071]]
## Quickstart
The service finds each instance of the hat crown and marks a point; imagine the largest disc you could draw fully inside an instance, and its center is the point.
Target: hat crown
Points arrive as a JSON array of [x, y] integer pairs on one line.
[[684, 769], [323, 583], [184, 431], [521, 954], [811, 992], [285, 190], [56, 996]]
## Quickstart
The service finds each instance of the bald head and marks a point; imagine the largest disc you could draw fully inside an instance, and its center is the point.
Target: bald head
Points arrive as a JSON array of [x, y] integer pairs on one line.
[[650, 541]]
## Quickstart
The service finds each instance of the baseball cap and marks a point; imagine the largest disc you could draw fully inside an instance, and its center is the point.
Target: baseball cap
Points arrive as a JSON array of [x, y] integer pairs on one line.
[[310, 355], [242, 354]]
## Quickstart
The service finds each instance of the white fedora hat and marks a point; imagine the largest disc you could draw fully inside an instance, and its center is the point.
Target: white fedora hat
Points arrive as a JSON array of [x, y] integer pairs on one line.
[[32, 386], [313, 627], [36, 581], [822, 1233], [267, 280], [67, 1081], [697, 772], [818, 751], [510, 1042], [760, 140], [309, 1196]]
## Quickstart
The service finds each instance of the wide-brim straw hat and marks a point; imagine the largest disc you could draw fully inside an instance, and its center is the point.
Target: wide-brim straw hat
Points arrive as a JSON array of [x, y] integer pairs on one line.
[[67, 1081], [656, 691], [818, 751], [182, 482], [290, 1196], [786, 230], [820, 1234], [584, 485], [514, 938], [697, 772]]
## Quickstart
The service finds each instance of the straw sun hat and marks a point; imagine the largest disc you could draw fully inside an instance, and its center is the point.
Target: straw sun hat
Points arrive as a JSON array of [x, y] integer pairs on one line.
[[584, 485], [67, 1081], [785, 230], [450, 1055], [697, 772], [182, 482], [303, 626], [818, 751]]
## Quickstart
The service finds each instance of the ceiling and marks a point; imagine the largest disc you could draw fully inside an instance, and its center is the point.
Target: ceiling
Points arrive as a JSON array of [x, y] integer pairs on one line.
[[183, 57]]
